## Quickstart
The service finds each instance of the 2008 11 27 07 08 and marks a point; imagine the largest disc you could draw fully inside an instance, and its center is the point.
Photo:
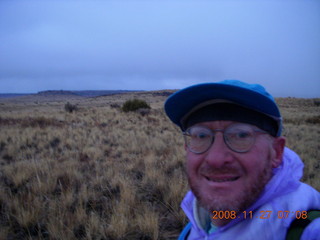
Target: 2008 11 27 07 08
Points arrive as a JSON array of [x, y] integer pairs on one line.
[[259, 215]]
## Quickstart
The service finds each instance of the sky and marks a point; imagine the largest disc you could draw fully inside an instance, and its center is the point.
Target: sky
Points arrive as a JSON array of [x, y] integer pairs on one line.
[[154, 45]]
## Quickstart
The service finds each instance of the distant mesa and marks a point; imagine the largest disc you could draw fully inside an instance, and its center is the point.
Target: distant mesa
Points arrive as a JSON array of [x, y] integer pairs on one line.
[[163, 93], [56, 93], [13, 95], [82, 93]]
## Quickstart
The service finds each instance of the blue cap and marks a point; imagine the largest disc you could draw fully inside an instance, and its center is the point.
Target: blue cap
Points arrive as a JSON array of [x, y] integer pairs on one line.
[[180, 105]]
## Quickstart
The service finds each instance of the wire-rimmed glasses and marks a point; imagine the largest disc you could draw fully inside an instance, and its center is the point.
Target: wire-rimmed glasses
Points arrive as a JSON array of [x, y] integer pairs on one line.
[[239, 137]]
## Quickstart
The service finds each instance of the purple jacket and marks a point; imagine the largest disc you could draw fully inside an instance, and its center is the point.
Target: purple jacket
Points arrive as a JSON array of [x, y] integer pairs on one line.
[[284, 192]]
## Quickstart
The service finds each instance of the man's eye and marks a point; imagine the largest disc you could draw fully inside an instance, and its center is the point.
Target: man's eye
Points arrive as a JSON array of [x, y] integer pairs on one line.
[[201, 135], [243, 134]]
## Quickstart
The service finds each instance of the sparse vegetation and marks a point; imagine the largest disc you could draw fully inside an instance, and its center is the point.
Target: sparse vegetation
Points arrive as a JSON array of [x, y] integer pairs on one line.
[[70, 107], [316, 102], [108, 174], [134, 105]]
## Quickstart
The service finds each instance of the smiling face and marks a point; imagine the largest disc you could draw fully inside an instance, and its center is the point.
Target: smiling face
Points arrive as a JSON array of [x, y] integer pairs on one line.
[[222, 179]]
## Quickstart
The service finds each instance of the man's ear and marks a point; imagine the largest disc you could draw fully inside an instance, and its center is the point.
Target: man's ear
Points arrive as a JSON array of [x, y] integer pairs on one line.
[[185, 147], [278, 148]]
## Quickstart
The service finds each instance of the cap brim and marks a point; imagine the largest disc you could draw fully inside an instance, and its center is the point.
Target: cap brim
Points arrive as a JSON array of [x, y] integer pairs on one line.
[[182, 102]]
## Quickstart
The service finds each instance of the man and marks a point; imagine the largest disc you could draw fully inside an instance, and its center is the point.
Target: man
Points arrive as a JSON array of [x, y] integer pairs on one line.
[[245, 184]]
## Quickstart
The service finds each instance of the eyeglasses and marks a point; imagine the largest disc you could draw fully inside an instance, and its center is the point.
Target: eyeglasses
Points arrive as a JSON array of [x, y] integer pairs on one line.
[[238, 137]]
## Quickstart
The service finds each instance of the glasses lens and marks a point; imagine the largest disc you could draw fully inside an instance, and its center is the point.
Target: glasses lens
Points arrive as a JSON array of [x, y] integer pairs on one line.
[[198, 139], [239, 137]]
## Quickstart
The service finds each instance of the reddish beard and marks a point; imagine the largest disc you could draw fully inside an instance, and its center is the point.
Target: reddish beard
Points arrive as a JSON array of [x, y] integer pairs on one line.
[[237, 202]]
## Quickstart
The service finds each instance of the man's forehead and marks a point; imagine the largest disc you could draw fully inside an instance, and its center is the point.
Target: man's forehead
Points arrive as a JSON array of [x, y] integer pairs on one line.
[[221, 124]]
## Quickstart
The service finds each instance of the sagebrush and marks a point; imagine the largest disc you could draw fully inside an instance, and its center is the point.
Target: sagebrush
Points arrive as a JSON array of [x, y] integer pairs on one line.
[[134, 105]]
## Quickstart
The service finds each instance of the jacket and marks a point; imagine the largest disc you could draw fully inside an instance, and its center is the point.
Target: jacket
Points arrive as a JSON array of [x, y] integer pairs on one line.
[[284, 199]]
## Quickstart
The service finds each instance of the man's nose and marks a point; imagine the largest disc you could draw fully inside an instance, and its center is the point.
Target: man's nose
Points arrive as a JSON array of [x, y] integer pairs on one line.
[[219, 153]]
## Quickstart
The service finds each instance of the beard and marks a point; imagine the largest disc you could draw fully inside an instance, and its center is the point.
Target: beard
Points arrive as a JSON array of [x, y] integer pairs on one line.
[[235, 201]]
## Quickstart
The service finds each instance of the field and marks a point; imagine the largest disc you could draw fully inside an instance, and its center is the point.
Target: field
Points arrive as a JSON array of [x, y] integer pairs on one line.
[[101, 173]]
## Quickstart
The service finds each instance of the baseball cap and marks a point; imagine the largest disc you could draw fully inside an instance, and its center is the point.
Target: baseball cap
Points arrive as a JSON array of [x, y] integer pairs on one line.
[[255, 104]]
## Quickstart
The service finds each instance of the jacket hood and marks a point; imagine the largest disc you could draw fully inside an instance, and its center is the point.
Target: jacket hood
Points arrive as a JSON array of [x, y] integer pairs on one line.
[[286, 178]]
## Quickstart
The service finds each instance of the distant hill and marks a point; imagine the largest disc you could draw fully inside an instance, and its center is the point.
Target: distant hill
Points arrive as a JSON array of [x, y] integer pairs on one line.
[[96, 93], [12, 95], [51, 93], [55, 93]]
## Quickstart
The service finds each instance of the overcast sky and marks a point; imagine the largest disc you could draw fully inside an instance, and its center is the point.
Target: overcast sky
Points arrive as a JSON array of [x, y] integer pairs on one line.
[[151, 45]]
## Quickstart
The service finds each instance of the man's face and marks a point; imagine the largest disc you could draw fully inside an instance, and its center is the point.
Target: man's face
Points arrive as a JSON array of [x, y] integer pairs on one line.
[[222, 179]]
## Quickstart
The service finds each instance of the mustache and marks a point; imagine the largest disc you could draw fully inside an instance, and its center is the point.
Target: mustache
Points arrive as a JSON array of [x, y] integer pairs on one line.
[[207, 170]]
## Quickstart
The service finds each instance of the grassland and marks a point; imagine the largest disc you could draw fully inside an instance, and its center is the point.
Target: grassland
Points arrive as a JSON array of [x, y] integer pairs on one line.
[[100, 173]]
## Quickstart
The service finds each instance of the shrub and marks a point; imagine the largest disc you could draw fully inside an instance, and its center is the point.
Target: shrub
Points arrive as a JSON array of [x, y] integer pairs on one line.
[[316, 102], [313, 120], [70, 107], [135, 104], [143, 111], [114, 105]]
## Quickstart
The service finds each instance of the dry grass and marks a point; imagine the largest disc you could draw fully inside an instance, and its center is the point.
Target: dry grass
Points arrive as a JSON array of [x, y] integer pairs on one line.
[[302, 129], [99, 173]]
